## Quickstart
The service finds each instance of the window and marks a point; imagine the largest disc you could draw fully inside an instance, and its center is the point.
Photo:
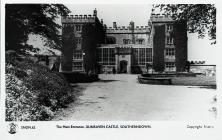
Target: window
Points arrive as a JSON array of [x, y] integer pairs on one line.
[[169, 27], [170, 66], [148, 54], [78, 55], [77, 66], [126, 41], [112, 59], [170, 51], [78, 41], [140, 41], [78, 28], [169, 40], [107, 56], [141, 56]]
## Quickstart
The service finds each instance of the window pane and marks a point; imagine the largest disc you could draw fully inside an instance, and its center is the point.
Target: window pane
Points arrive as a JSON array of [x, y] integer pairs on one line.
[[105, 56], [170, 51], [78, 66], [77, 55], [135, 56], [148, 54], [142, 56], [111, 56]]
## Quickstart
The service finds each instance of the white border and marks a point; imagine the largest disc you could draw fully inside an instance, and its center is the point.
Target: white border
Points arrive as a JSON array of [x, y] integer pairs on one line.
[[160, 129]]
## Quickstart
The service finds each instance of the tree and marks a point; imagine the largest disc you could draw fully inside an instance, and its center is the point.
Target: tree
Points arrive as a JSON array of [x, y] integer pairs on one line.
[[201, 18], [24, 19]]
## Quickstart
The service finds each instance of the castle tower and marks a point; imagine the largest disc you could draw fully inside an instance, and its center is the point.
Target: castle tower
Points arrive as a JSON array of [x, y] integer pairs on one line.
[[169, 43]]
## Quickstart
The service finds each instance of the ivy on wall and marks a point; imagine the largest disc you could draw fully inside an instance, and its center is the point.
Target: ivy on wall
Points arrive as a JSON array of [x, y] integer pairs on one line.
[[68, 43], [158, 48]]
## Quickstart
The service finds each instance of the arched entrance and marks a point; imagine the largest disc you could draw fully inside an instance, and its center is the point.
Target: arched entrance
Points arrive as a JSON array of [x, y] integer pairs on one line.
[[123, 66]]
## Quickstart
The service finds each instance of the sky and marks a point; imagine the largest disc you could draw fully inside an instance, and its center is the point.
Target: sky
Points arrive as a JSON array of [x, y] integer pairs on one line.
[[198, 49]]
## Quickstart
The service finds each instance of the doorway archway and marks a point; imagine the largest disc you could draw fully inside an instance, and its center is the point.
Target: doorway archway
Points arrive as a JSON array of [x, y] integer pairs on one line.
[[123, 66]]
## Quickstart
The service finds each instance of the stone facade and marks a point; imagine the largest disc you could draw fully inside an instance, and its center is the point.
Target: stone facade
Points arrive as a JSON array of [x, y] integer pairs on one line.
[[130, 45], [80, 36], [91, 46], [169, 42]]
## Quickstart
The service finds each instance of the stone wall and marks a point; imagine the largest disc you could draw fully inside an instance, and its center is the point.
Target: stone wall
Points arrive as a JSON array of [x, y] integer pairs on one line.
[[91, 34], [120, 35], [68, 45]]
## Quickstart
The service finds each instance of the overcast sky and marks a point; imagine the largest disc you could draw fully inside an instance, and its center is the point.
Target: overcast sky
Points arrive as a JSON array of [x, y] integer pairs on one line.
[[198, 49], [121, 13]]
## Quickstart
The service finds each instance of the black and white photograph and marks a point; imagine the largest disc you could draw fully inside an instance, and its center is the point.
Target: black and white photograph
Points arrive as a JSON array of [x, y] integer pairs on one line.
[[67, 62]]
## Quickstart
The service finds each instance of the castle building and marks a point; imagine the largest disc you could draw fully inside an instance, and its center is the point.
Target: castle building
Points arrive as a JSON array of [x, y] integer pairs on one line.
[[89, 46], [81, 35]]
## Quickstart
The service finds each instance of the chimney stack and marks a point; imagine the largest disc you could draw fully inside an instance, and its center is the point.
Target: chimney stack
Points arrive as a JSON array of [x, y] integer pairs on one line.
[[132, 31], [132, 25], [114, 25], [95, 13]]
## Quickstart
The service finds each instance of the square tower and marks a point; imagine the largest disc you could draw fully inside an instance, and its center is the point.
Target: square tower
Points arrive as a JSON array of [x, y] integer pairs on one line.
[[169, 44]]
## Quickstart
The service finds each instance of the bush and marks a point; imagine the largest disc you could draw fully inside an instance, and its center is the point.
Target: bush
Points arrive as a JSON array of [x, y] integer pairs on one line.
[[33, 92]]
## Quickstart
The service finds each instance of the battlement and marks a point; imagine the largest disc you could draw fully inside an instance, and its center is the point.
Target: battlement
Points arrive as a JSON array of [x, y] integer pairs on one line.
[[197, 62], [160, 18], [128, 28], [78, 17]]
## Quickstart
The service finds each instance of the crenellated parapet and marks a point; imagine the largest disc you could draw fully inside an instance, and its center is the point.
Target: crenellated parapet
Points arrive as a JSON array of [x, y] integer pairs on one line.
[[197, 62], [78, 18], [127, 29], [160, 18]]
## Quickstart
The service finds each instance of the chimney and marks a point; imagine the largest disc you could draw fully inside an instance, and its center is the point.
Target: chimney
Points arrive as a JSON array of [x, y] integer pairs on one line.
[[114, 25], [95, 13], [132, 25], [132, 31]]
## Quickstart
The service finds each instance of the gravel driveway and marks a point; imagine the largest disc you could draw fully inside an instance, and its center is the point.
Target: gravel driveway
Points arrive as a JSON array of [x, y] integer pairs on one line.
[[121, 97]]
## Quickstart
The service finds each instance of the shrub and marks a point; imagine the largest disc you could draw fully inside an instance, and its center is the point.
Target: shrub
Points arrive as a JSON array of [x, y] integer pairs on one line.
[[33, 92]]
